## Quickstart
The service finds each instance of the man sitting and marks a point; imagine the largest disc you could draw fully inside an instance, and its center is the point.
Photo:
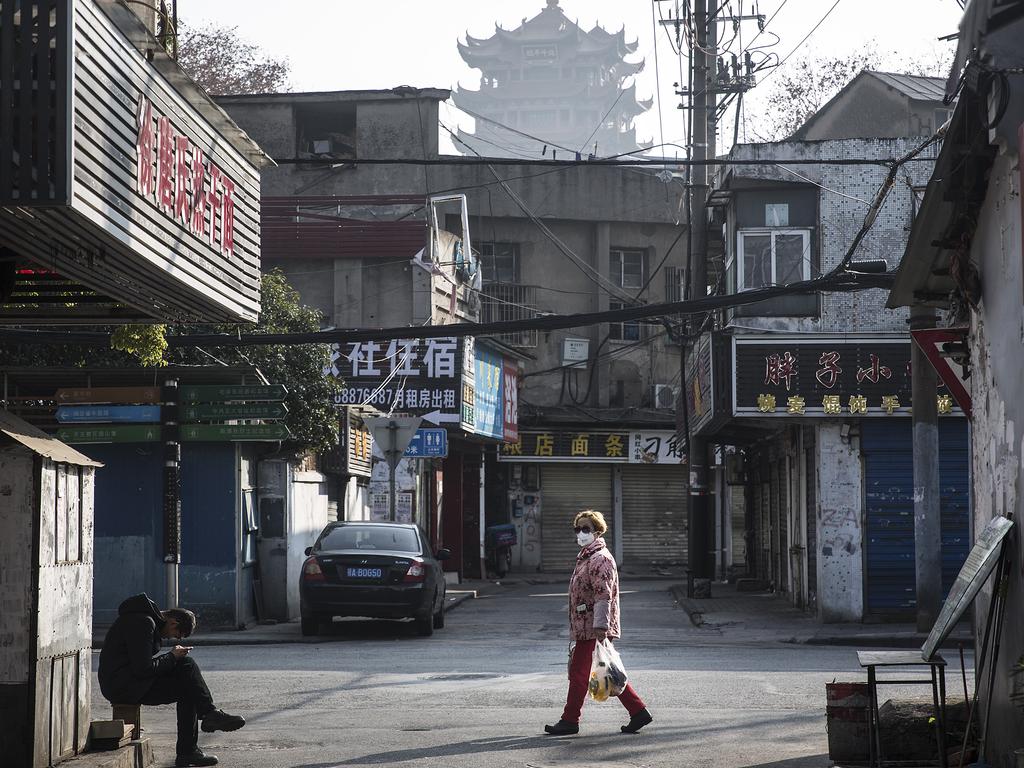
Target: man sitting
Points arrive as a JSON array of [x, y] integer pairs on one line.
[[131, 672]]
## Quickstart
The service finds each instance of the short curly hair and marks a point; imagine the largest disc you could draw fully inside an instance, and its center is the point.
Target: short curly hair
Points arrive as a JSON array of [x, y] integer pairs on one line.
[[185, 618], [595, 518]]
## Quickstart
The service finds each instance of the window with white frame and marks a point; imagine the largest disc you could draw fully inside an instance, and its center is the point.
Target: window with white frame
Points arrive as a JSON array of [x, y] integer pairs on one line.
[[628, 268], [772, 257]]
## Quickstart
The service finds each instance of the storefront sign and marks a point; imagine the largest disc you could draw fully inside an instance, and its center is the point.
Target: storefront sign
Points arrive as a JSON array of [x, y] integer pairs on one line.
[[415, 376], [134, 182], [357, 445], [659, 447], [831, 377], [510, 401], [647, 447], [487, 399], [175, 174], [700, 384]]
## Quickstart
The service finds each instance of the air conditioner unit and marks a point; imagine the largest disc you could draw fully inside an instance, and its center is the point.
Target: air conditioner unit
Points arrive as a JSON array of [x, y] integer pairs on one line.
[[664, 396]]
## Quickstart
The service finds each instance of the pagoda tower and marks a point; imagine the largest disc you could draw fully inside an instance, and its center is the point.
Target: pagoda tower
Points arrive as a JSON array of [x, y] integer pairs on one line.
[[551, 80]]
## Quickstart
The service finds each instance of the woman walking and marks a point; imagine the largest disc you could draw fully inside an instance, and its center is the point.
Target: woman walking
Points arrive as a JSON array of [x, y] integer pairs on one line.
[[593, 616]]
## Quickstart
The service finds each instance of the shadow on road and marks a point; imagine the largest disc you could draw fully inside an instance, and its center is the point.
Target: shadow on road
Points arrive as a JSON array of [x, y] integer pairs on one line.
[[809, 761]]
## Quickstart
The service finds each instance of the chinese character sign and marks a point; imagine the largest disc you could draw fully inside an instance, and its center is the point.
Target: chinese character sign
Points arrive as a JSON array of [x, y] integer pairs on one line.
[[175, 175], [803, 376], [417, 376], [510, 401], [649, 447]]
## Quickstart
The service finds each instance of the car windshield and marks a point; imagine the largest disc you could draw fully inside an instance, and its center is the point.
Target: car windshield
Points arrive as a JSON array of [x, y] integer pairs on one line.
[[371, 537]]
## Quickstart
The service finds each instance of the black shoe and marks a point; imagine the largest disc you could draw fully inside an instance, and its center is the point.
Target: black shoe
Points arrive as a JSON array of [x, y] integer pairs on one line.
[[562, 728], [196, 758], [219, 720], [637, 721]]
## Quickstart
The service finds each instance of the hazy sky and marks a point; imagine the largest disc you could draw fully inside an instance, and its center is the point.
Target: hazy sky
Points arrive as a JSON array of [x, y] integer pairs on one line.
[[348, 44]]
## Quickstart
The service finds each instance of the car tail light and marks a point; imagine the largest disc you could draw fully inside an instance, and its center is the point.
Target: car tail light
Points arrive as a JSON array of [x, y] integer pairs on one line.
[[417, 572], [311, 571]]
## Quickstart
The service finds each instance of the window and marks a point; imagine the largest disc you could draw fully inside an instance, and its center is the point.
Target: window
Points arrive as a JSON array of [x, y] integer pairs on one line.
[[369, 537], [675, 283], [627, 272], [500, 262], [627, 269], [540, 118], [772, 257]]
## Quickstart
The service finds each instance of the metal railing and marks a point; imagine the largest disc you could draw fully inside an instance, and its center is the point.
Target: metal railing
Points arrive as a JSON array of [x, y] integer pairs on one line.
[[510, 301]]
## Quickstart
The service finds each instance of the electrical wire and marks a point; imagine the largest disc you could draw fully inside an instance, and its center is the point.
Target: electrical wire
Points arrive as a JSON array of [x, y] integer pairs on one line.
[[813, 30]]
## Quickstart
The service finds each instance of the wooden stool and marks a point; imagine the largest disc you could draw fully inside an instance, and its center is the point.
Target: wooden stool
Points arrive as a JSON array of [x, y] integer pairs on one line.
[[132, 715], [871, 660]]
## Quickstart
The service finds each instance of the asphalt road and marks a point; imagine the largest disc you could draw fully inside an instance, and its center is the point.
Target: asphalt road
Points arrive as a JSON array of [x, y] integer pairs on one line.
[[479, 692]]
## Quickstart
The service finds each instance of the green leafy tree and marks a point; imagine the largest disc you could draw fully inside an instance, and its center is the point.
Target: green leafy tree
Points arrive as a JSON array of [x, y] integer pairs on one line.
[[300, 367]]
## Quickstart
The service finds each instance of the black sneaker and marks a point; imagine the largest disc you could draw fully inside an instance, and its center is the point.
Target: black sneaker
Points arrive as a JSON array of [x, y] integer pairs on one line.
[[219, 720], [637, 721], [562, 728], [196, 758]]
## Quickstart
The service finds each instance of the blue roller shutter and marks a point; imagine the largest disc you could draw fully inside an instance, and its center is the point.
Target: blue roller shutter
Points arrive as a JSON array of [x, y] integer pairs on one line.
[[889, 511]]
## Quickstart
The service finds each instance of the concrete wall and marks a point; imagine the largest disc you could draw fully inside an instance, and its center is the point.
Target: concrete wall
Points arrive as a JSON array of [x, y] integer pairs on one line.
[[846, 192], [998, 442], [307, 516], [869, 108], [840, 525]]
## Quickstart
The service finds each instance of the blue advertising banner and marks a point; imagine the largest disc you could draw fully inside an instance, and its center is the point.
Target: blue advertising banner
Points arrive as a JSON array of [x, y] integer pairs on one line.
[[488, 403], [108, 414]]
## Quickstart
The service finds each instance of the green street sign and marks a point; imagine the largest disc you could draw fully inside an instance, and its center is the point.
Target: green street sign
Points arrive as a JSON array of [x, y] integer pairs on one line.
[[102, 433], [215, 412], [195, 433], [223, 393]]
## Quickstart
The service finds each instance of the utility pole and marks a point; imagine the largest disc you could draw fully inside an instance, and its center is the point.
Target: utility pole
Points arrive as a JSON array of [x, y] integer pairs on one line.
[[701, 542], [927, 513], [172, 492], [708, 77]]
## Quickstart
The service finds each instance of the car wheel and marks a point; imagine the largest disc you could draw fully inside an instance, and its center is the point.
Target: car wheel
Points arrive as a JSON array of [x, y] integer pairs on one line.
[[310, 625], [439, 619], [425, 627]]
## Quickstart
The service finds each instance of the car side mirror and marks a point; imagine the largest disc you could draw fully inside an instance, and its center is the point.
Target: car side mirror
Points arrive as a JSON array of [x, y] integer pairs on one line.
[[444, 554], [309, 551]]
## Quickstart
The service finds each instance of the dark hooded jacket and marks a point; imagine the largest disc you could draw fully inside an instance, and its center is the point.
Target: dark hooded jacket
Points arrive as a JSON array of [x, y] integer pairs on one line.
[[128, 661]]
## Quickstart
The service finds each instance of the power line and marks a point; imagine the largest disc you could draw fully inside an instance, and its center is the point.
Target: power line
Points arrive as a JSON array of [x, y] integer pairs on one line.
[[613, 162], [813, 30]]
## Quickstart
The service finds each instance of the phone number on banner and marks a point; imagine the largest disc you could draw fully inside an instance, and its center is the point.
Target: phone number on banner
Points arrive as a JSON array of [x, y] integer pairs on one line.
[[438, 399]]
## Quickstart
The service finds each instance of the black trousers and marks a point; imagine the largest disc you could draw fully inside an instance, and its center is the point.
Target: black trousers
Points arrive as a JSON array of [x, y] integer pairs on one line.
[[185, 687]]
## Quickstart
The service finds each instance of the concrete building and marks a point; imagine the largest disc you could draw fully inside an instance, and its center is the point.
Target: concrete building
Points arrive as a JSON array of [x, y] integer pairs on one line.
[[596, 404], [965, 259], [880, 105], [551, 86], [812, 392]]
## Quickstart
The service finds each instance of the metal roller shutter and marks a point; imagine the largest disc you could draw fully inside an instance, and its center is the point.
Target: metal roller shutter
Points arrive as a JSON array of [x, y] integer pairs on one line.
[[889, 500], [654, 529], [565, 490]]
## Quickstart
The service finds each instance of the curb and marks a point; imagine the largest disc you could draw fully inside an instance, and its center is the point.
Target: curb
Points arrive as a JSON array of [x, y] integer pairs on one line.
[[691, 606], [238, 637]]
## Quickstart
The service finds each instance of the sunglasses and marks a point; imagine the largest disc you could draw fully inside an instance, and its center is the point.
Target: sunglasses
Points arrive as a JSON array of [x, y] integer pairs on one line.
[[583, 529]]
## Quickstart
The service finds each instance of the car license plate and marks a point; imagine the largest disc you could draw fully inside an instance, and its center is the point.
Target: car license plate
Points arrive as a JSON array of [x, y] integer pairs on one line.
[[364, 573]]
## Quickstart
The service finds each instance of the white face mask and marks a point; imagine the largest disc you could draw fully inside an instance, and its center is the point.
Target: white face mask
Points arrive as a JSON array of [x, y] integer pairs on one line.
[[584, 538]]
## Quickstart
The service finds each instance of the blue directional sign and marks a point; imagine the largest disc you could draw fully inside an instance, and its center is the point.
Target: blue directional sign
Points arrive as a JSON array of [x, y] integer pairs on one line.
[[108, 414], [428, 443]]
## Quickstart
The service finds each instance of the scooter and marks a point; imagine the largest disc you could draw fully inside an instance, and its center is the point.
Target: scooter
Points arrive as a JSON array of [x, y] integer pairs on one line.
[[498, 541]]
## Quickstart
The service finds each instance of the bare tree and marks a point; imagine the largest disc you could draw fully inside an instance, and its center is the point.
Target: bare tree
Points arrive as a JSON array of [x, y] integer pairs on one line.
[[222, 62], [804, 85]]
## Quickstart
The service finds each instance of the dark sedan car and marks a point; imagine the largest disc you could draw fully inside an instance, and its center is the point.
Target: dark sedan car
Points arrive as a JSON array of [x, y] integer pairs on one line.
[[376, 570]]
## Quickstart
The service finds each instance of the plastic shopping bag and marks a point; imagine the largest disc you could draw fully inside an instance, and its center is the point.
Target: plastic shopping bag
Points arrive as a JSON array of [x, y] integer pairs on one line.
[[607, 675]]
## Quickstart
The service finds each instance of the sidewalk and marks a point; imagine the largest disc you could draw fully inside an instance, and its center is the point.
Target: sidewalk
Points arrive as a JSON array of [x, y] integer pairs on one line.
[[734, 616], [289, 631]]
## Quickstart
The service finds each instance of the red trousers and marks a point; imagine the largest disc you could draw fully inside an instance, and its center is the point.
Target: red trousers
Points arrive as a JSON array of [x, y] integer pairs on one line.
[[579, 684]]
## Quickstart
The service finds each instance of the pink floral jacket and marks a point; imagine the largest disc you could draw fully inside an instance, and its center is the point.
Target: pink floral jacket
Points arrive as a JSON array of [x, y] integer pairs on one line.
[[594, 585]]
